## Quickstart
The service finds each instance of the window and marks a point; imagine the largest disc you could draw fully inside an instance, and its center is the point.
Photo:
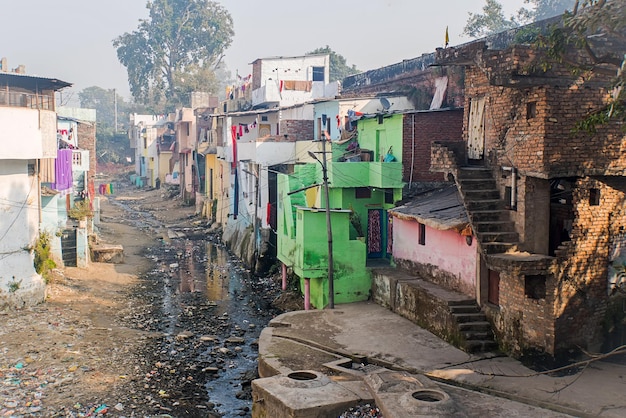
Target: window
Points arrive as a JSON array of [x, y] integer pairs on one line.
[[493, 287], [362, 193], [594, 197], [535, 287], [389, 196], [318, 73], [421, 240], [531, 110]]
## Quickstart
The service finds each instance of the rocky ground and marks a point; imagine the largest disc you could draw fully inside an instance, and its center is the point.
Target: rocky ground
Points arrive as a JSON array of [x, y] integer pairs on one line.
[[141, 338]]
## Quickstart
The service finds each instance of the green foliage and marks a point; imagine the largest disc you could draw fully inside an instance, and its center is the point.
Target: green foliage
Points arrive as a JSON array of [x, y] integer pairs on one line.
[[491, 21], [174, 51], [81, 210], [43, 262], [113, 144], [574, 44], [339, 69]]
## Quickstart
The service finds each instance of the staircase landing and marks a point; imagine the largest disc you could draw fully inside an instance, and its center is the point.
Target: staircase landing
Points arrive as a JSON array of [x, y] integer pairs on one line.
[[450, 315]]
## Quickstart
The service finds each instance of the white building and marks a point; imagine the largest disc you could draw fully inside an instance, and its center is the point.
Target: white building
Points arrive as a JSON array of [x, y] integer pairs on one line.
[[29, 134]]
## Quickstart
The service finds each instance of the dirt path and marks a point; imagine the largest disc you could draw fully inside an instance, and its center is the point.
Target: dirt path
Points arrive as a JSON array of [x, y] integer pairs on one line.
[[76, 353]]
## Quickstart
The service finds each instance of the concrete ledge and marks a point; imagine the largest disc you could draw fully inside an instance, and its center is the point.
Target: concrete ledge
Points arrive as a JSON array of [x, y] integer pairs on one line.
[[419, 301], [303, 393], [399, 394], [108, 254]]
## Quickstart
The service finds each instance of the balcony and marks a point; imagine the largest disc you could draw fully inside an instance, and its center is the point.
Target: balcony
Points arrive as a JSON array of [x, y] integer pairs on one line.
[[28, 100], [385, 175], [33, 132]]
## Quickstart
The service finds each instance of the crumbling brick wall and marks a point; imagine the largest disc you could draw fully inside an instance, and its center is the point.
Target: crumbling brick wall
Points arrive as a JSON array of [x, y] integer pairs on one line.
[[530, 121], [87, 141], [582, 276], [419, 131], [297, 130]]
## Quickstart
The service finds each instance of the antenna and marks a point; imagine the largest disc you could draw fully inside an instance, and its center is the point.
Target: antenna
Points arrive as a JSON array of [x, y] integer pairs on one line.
[[385, 103]]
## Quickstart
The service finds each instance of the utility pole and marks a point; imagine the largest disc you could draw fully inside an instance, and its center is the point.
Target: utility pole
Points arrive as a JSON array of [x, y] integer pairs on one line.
[[329, 230], [115, 109]]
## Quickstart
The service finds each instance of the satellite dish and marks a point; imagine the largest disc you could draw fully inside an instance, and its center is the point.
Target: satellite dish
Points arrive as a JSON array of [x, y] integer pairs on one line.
[[385, 103]]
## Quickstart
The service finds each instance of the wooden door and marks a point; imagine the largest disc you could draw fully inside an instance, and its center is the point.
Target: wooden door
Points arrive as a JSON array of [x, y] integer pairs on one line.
[[476, 129]]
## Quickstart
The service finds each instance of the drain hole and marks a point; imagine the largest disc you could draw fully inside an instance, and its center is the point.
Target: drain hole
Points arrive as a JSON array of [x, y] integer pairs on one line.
[[428, 396], [302, 376]]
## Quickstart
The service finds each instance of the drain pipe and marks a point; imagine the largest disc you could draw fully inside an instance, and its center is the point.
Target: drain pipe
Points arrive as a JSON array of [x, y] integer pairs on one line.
[[284, 276], [412, 149], [307, 294], [513, 172]]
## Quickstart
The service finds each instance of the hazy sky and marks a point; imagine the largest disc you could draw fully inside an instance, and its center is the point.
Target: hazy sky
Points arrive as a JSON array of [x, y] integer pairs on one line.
[[72, 39]]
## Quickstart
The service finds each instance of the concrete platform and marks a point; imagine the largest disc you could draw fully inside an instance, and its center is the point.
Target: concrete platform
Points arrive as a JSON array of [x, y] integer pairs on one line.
[[359, 342], [113, 254]]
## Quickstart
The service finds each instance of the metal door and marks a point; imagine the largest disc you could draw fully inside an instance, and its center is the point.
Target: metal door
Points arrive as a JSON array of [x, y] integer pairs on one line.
[[68, 247]]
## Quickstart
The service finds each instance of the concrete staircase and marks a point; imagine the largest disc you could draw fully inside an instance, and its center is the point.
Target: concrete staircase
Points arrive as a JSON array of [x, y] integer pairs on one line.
[[473, 327], [487, 212]]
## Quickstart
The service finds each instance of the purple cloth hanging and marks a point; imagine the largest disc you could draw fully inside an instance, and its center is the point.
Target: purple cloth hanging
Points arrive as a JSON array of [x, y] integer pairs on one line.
[[63, 170]]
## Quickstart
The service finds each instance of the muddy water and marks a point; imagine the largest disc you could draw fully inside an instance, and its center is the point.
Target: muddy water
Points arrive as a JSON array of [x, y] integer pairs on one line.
[[210, 311]]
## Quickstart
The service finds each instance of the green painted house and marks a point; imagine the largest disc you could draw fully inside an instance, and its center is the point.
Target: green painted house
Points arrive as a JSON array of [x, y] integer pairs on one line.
[[364, 164]]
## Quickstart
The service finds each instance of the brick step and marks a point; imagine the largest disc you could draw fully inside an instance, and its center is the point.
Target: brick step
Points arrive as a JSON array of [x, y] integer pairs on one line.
[[469, 317], [501, 236], [480, 326], [489, 215], [486, 194], [493, 226], [484, 204], [475, 346], [461, 309], [498, 247]]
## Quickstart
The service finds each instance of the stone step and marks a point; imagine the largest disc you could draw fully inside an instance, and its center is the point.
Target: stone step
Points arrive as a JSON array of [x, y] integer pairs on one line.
[[493, 226], [469, 317], [486, 204], [461, 309], [489, 215], [475, 173], [480, 326], [498, 247], [477, 184], [487, 194], [460, 302], [475, 346], [501, 236], [478, 335]]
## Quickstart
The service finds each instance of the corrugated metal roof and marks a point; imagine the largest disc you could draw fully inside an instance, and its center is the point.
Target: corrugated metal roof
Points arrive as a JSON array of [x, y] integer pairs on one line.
[[440, 209], [31, 82]]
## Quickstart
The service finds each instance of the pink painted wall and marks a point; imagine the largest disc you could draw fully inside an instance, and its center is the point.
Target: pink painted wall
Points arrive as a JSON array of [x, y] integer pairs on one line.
[[447, 250]]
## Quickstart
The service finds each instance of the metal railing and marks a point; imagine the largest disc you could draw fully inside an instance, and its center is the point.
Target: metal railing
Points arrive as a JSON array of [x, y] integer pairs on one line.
[[28, 100]]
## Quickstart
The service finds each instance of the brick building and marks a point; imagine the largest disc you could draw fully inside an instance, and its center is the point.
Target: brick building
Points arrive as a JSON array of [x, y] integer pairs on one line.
[[552, 231]]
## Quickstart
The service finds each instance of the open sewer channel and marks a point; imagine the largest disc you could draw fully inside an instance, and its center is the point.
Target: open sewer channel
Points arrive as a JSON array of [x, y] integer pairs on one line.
[[206, 312]]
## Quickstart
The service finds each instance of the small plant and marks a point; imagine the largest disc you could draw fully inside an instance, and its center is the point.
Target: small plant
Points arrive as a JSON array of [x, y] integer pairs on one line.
[[14, 285], [81, 210], [356, 223], [43, 262]]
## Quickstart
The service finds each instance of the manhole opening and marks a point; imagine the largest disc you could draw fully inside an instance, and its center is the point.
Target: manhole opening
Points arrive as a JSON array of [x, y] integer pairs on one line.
[[428, 396], [302, 376]]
